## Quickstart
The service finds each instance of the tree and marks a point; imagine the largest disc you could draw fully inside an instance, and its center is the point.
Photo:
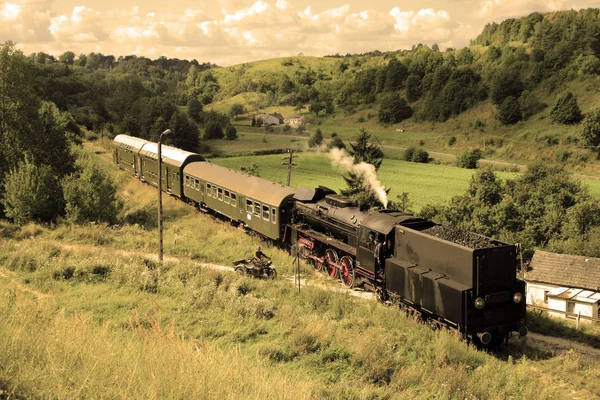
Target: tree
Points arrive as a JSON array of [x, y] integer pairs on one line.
[[231, 133], [509, 112], [413, 88], [336, 142], [505, 83], [590, 131], [194, 108], [393, 109], [469, 159], [359, 180], [395, 76], [316, 107], [316, 139], [529, 104], [90, 195], [31, 193], [566, 110], [67, 58], [185, 133], [236, 109], [213, 130], [52, 147]]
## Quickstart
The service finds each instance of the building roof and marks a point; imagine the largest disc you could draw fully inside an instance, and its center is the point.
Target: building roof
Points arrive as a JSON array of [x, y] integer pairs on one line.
[[174, 155], [130, 142], [580, 295], [564, 270], [256, 188]]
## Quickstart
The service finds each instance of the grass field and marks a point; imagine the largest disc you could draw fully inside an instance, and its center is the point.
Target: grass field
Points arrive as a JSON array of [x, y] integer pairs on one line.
[[88, 313]]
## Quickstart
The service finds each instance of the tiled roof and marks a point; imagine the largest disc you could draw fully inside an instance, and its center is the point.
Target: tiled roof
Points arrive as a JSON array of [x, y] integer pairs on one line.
[[565, 270]]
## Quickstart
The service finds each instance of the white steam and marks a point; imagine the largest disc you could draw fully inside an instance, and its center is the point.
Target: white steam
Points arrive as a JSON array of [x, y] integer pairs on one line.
[[340, 159]]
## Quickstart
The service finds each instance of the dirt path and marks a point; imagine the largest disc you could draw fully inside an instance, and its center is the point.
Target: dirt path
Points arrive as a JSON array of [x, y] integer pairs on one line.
[[588, 354]]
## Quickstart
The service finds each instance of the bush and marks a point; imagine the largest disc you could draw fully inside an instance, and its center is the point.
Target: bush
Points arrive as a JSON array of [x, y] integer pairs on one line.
[[452, 141], [591, 128], [394, 109], [316, 139], [31, 192], [90, 195], [213, 131], [336, 142], [231, 133], [420, 156], [469, 159], [408, 154], [566, 111], [509, 112]]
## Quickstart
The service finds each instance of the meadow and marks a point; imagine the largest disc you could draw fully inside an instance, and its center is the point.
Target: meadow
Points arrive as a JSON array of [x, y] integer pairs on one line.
[[88, 312], [425, 183]]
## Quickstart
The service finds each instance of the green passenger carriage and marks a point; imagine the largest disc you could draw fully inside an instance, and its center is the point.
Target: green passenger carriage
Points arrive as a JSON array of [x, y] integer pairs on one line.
[[126, 153], [259, 204], [173, 162]]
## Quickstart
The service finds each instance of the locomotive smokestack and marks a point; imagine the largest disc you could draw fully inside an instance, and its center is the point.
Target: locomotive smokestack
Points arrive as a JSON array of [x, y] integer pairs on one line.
[[339, 159]]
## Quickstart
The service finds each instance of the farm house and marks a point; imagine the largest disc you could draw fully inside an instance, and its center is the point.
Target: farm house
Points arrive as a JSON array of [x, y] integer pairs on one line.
[[565, 284]]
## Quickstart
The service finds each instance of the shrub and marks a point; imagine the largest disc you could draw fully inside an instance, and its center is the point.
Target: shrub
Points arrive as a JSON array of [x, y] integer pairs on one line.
[[231, 133], [316, 139], [420, 156], [213, 131], [509, 112], [31, 192], [452, 141], [394, 109], [469, 159], [408, 154], [591, 128], [566, 111], [336, 142], [90, 195]]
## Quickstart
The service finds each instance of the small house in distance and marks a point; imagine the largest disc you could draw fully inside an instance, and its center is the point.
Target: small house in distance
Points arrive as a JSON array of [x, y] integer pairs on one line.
[[270, 119], [566, 284]]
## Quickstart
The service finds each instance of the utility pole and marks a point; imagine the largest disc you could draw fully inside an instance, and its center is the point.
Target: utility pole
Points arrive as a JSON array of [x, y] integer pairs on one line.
[[289, 161], [160, 227]]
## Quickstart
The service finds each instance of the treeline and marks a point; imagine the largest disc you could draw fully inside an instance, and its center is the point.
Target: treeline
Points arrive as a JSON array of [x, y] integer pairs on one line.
[[545, 207]]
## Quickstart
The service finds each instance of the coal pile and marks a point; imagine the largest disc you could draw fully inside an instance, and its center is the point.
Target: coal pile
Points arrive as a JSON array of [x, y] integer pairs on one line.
[[463, 238]]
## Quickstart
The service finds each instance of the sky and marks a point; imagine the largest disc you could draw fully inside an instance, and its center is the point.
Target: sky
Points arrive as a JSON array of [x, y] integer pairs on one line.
[[228, 32]]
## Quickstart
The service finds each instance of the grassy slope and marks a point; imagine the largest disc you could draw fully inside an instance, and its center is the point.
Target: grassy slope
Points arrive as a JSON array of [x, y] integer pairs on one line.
[[533, 133], [87, 314]]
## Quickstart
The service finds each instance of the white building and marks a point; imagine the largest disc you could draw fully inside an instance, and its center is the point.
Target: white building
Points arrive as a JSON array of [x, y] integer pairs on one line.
[[565, 283]]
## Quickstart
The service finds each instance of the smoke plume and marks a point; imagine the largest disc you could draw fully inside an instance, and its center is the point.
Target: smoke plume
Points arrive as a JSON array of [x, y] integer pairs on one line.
[[340, 159]]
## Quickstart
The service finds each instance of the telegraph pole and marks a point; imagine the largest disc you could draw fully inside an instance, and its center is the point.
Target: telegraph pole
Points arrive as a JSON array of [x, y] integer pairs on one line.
[[289, 161], [160, 227]]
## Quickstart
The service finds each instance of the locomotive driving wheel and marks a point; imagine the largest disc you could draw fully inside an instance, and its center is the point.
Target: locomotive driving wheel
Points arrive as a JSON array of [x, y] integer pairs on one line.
[[331, 261], [347, 271]]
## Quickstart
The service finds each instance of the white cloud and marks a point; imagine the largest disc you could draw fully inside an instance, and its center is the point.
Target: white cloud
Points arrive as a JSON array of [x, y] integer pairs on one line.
[[24, 21], [84, 25]]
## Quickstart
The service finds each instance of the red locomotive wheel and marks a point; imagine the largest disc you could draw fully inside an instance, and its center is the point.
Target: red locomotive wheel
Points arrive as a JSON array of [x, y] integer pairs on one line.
[[347, 271], [317, 264], [331, 261]]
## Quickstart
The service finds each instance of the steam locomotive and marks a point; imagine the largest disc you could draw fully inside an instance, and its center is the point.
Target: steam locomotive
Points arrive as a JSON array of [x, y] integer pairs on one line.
[[450, 277]]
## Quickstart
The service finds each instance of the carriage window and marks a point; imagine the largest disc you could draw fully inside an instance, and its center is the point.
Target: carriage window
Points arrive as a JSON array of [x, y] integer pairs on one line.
[[214, 192], [197, 184], [226, 199], [257, 208], [233, 199], [249, 206], [266, 212], [208, 189], [220, 194], [187, 180], [273, 215]]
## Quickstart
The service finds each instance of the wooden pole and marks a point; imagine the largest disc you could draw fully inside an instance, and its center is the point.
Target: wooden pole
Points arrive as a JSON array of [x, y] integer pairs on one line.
[[578, 318]]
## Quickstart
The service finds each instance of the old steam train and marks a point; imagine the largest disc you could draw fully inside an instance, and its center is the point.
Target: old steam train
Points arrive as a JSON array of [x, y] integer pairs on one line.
[[454, 278]]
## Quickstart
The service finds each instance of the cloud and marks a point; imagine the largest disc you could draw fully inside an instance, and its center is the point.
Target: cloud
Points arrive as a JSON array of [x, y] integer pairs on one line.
[[499, 10], [83, 25], [25, 21]]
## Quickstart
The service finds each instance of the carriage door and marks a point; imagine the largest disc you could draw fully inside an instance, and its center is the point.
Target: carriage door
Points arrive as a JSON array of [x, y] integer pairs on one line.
[[202, 191]]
